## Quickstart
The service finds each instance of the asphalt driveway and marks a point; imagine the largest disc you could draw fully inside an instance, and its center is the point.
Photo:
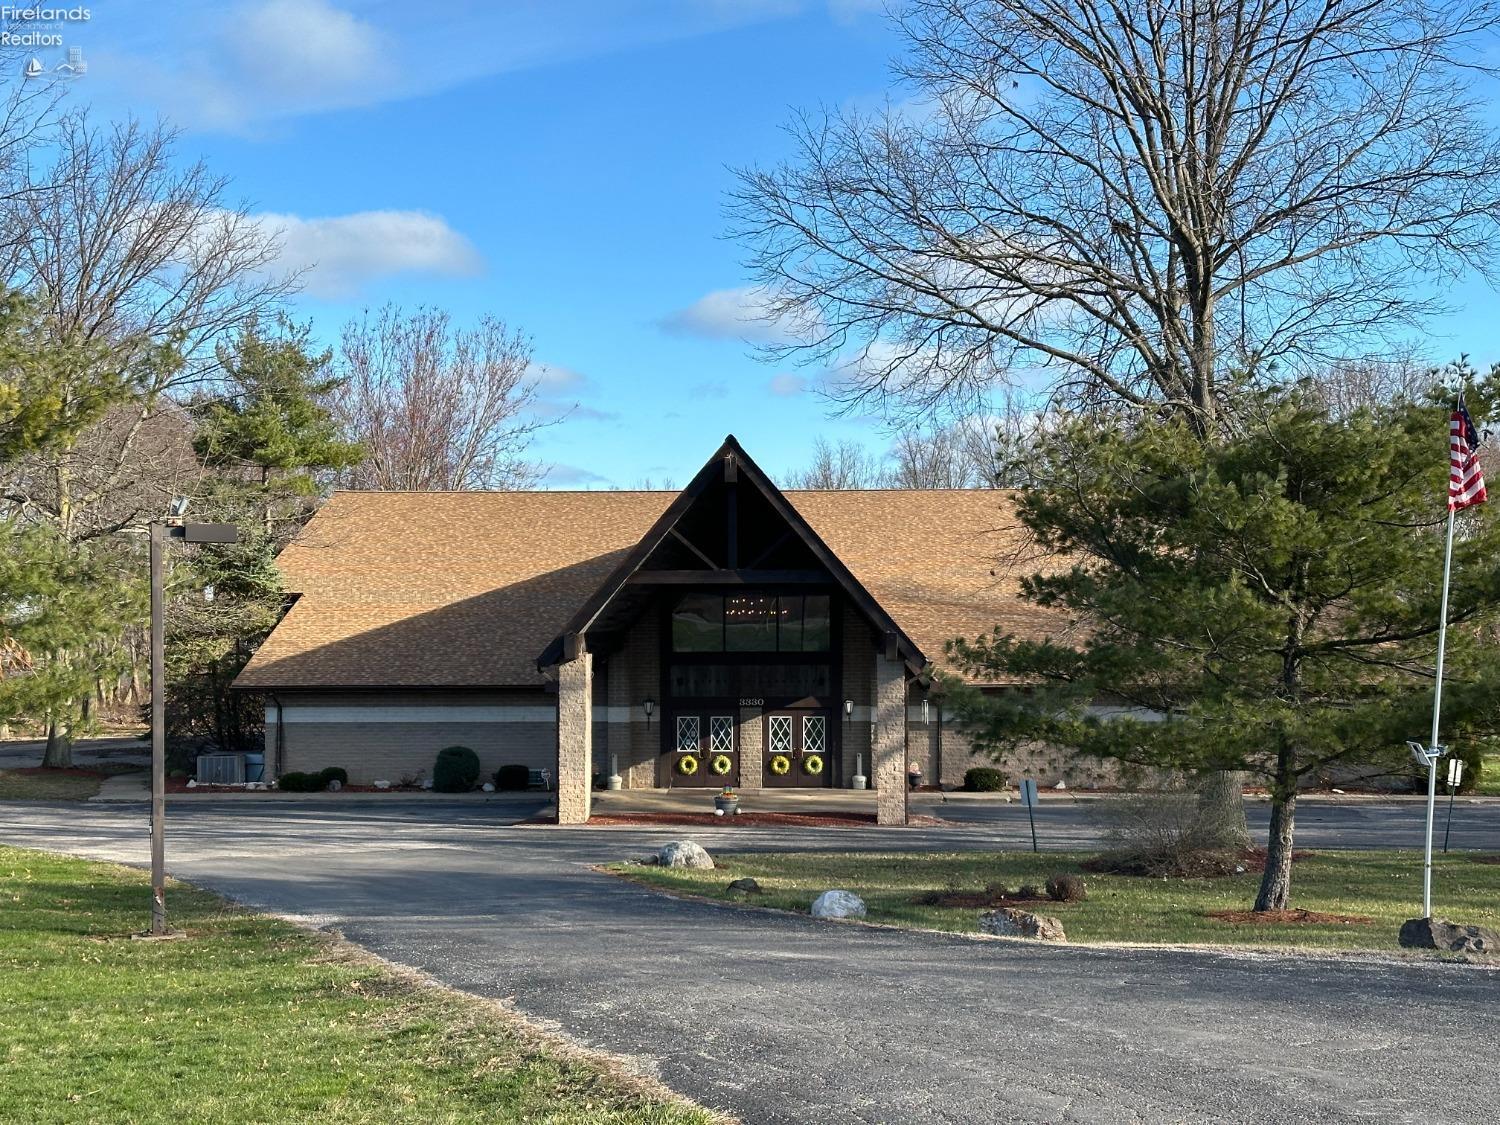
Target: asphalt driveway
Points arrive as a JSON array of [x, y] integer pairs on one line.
[[780, 1019]]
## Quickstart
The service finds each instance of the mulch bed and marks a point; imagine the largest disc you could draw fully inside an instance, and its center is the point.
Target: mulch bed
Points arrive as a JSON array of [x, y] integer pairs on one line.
[[753, 819], [1213, 865], [1288, 918]]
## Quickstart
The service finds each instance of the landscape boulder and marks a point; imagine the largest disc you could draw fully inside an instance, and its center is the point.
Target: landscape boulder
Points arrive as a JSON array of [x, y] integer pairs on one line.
[[1435, 933], [1010, 922], [838, 904], [748, 886], [683, 853]]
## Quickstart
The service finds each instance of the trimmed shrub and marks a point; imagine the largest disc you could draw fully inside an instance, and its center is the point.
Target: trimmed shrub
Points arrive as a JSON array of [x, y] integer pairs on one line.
[[297, 782], [1066, 888], [983, 779], [335, 773], [513, 777], [456, 770]]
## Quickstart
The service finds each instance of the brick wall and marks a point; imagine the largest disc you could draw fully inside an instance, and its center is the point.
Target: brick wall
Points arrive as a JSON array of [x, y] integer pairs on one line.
[[397, 735]]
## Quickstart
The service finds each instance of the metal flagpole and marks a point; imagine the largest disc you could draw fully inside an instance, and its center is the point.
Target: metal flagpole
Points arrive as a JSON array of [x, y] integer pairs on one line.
[[1437, 707]]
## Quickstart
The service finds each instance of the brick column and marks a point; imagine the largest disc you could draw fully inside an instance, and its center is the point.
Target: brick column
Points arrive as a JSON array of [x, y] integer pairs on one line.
[[752, 749], [575, 738], [888, 769]]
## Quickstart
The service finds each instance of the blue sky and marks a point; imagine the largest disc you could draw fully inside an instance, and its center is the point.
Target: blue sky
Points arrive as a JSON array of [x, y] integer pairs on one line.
[[559, 164]]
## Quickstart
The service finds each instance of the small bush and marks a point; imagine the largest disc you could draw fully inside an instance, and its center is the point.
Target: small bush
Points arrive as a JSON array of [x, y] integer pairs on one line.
[[335, 773], [1170, 833], [1066, 888], [513, 777], [177, 775], [983, 779], [456, 770], [297, 782]]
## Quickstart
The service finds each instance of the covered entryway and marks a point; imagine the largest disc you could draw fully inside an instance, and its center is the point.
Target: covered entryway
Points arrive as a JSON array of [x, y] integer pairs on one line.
[[705, 751], [798, 752]]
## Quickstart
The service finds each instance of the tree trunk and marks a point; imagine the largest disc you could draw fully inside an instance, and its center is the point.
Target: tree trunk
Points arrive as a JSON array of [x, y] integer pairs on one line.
[[1276, 883], [59, 753], [1221, 809]]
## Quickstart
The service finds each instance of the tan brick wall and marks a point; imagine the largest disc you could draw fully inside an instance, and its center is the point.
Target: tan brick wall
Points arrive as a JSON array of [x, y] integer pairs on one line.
[[322, 730], [575, 706], [752, 746], [890, 741]]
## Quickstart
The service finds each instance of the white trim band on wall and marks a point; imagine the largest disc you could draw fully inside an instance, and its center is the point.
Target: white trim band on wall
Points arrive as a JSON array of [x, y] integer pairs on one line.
[[437, 713]]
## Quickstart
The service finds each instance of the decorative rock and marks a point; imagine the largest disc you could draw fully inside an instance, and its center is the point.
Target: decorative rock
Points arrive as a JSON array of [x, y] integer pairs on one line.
[[381, 783], [335, 785], [683, 853], [838, 904], [1061, 785], [1435, 933], [1010, 922], [488, 787], [748, 886], [192, 783], [427, 783]]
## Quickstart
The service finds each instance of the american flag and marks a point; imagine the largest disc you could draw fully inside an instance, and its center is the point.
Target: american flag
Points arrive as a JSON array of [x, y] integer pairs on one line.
[[1465, 477]]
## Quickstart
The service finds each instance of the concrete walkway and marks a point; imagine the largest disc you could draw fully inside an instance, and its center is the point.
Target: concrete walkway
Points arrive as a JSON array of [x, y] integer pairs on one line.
[[782, 1019]]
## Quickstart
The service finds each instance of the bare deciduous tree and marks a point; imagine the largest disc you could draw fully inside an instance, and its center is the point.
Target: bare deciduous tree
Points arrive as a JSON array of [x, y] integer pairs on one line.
[[145, 264], [435, 406], [1145, 198], [122, 243], [846, 465]]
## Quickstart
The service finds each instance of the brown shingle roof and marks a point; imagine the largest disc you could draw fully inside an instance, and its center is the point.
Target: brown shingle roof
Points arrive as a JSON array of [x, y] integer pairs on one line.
[[466, 588]]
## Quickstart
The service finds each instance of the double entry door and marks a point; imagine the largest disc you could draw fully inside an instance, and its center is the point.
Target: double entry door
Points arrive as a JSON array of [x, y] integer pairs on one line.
[[705, 750], [797, 750]]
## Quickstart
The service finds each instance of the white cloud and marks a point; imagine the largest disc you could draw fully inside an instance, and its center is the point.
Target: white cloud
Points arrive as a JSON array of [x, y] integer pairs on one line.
[[787, 385], [343, 252], [557, 391], [562, 476], [239, 66], [732, 314], [304, 48]]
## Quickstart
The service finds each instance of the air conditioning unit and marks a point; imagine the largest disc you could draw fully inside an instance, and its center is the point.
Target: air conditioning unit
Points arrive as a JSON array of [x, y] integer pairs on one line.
[[221, 769]]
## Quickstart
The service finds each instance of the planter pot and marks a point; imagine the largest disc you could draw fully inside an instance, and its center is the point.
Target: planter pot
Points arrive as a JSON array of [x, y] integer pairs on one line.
[[858, 781], [728, 806], [613, 781]]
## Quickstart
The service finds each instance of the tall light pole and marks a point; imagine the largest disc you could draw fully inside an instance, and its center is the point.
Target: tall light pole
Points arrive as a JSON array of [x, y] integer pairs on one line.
[[161, 531]]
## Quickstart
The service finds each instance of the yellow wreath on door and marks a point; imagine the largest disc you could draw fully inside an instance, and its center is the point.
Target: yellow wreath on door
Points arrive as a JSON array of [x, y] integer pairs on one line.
[[687, 765], [781, 765], [721, 764], [812, 763]]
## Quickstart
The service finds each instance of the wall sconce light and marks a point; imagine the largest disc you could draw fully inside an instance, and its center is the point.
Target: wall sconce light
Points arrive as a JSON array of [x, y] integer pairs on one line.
[[848, 709], [648, 705]]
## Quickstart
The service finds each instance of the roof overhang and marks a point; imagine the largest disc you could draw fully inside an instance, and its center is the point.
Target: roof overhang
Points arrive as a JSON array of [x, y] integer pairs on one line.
[[731, 463]]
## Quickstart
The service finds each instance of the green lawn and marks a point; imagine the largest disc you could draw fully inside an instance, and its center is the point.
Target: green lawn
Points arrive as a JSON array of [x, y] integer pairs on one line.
[[1489, 777], [251, 1019], [1385, 886], [54, 785]]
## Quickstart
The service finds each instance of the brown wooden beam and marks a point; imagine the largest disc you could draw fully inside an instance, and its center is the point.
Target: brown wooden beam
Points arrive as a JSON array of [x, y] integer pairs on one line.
[[729, 578]]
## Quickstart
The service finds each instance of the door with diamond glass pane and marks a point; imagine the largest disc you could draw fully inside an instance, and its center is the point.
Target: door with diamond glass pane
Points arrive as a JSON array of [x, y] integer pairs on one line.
[[705, 751], [798, 750]]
